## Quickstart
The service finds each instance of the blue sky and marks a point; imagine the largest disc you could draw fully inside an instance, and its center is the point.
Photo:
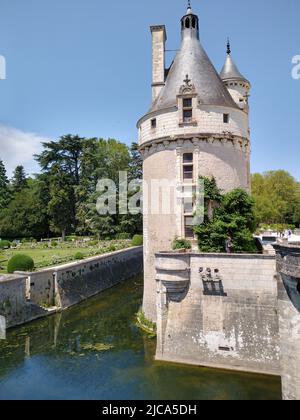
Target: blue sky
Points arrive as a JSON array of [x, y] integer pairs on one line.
[[84, 67]]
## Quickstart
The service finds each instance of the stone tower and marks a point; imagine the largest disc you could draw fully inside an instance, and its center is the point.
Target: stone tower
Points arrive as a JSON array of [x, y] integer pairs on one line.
[[197, 125]]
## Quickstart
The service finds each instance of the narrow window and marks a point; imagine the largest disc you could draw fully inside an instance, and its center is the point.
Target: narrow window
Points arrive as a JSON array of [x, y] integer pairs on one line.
[[153, 123], [187, 103], [187, 106], [188, 227], [226, 118], [187, 23], [188, 207], [193, 22], [188, 158], [188, 173], [187, 115]]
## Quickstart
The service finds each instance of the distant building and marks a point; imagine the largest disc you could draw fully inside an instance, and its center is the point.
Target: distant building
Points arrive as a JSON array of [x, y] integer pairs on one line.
[[198, 124]]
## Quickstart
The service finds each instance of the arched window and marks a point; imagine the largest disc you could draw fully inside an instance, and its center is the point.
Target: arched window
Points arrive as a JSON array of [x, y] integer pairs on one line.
[[187, 23], [194, 22]]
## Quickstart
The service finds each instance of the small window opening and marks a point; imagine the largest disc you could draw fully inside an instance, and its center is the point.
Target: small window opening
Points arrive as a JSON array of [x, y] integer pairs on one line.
[[193, 22], [153, 123], [226, 118], [187, 23], [188, 158], [188, 173], [187, 103], [188, 227], [187, 115]]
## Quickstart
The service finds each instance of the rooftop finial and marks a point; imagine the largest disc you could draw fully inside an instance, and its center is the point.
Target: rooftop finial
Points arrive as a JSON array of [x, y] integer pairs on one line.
[[228, 46], [189, 8]]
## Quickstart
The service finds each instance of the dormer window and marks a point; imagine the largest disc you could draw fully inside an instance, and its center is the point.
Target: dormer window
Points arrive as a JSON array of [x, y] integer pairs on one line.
[[187, 109]]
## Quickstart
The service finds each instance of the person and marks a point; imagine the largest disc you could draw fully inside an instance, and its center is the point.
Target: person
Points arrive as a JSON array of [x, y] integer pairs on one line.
[[228, 245]]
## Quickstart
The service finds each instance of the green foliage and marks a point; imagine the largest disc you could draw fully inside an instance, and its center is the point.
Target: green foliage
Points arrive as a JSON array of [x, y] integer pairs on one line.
[[19, 180], [54, 244], [20, 262], [26, 214], [123, 236], [112, 248], [145, 324], [79, 256], [93, 243], [5, 194], [277, 198], [181, 244], [233, 216], [137, 240], [5, 244]]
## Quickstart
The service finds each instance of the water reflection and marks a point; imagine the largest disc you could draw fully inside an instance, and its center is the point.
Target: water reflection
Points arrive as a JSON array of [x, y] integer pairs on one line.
[[61, 357]]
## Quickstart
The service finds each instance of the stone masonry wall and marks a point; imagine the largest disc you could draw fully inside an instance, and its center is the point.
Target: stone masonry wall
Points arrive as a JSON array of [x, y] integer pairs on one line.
[[79, 281], [209, 120], [223, 314], [288, 265], [25, 297]]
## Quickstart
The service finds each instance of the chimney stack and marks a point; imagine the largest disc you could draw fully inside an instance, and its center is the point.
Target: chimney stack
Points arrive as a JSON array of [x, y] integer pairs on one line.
[[159, 37]]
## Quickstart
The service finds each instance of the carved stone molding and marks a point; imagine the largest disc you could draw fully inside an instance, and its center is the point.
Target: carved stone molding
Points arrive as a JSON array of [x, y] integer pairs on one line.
[[178, 143]]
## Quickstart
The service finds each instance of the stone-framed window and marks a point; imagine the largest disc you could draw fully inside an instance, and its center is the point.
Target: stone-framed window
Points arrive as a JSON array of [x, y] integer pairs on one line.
[[188, 168], [187, 110], [188, 227]]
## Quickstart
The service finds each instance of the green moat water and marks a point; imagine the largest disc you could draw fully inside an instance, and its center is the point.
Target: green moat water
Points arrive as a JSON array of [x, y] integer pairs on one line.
[[59, 358]]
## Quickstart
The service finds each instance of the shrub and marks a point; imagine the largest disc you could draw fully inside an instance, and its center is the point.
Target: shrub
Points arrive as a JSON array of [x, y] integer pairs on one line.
[[137, 240], [112, 248], [79, 256], [20, 262], [123, 236], [5, 244], [71, 238], [54, 244], [233, 216], [181, 244], [93, 243]]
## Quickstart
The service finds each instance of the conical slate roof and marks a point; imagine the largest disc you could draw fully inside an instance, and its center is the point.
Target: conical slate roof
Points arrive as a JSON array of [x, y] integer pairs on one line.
[[230, 70], [193, 61]]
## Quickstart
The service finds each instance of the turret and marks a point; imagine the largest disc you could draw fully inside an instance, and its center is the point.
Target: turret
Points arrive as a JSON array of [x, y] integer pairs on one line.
[[237, 85]]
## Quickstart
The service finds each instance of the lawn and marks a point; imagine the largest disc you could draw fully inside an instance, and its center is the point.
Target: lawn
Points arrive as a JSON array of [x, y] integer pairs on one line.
[[45, 255]]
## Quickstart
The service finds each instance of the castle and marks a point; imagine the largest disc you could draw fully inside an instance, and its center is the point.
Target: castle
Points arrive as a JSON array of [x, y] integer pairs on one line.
[[198, 124], [229, 311]]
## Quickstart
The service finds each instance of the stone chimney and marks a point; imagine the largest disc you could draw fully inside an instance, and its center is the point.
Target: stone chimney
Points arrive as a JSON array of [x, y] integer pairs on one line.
[[159, 37]]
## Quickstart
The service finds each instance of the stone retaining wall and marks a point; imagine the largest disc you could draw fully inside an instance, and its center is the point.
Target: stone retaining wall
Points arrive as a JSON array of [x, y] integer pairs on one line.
[[218, 310], [288, 266], [28, 296]]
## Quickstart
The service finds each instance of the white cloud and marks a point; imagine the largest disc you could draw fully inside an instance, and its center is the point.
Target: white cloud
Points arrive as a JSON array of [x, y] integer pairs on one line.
[[18, 148]]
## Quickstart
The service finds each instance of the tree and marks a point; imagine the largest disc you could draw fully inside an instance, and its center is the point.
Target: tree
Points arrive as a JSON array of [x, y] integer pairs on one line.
[[233, 216], [60, 207], [65, 153], [277, 198], [26, 215], [5, 195], [62, 158], [19, 179]]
